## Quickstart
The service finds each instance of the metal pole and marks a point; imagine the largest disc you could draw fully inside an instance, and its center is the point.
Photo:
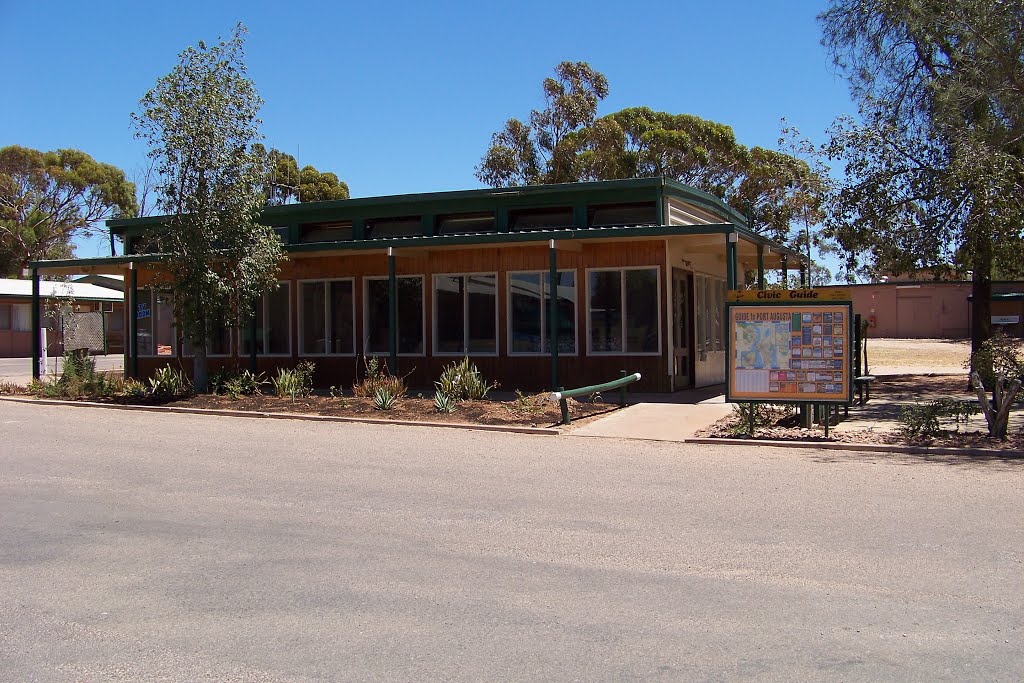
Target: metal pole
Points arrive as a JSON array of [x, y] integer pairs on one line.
[[803, 276], [133, 321], [760, 266], [785, 273], [37, 350], [553, 321], [750, 430], [392, 312]]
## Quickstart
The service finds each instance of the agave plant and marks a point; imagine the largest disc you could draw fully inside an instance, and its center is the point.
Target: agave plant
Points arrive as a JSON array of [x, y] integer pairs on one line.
[[444, 403], [384, 399]]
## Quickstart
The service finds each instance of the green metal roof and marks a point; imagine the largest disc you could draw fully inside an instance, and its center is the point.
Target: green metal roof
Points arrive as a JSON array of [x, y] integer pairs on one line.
[[487, 238], [465, 201], [470, 200]]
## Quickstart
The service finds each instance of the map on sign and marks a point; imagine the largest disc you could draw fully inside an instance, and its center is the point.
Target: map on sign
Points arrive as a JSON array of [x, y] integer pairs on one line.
[[762, 345], [789, 352]]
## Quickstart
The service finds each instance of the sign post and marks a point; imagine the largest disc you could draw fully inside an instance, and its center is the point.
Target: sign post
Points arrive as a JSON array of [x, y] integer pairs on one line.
[[789, 346]]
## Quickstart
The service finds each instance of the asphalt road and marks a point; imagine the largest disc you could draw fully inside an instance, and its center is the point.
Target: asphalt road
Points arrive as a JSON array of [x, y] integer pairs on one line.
[[145, 547]]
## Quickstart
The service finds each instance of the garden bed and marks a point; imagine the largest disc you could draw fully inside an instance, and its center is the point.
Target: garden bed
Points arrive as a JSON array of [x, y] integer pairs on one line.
[[889, 394]]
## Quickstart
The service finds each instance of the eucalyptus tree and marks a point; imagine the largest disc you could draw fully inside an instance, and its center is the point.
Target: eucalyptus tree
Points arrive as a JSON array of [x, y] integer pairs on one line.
[[201, 123], [566, 141], [285, 182], [935, 165], [49, 198], [545, 149]]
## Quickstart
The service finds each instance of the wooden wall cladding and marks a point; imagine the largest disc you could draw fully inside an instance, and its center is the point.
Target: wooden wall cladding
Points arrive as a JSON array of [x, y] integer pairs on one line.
[[528, 373]]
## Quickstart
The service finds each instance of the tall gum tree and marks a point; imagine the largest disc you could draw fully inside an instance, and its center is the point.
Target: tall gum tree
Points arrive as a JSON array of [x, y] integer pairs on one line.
[[566, 141], [935, 166], [201, 123], [49, 198]]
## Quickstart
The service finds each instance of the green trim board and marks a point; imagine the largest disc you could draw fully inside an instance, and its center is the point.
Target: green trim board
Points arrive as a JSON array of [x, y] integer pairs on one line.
[[577, 196], [791, 352]]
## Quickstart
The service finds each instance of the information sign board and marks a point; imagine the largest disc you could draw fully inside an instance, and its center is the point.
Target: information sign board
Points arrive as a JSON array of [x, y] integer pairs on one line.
[[790, 352]]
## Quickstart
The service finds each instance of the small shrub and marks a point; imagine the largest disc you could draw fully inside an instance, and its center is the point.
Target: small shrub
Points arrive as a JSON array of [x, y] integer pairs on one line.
[[77, 367], [246, 383], [379, 377], [383, 399], [167, 381], [134, 388], [10, 388], [294, 382], [765, 415], [524, 405], [922, 420], [999, 355], [444, 403], [462, 381]]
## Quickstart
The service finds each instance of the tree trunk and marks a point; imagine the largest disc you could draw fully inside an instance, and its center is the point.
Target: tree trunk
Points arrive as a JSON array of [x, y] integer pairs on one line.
[[981, 296], [199, 377]]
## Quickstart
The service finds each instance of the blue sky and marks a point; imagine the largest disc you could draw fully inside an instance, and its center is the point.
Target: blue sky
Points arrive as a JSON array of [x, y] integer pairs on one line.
[[403, 97]]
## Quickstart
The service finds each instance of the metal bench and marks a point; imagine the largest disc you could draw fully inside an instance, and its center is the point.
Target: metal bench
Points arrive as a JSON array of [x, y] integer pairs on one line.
[[863, 386], [619, 384]]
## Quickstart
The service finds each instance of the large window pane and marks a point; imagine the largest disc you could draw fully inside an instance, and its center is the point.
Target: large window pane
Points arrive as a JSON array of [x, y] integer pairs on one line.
[[605, 311], [565, 290], [526, 311], [219, 340], [144, 324], [482, 309], [312, 314], [410, 315], [641, 311], [530, 309], [5, 317], [163, 325], [449, 313], [245, 331], [342, 312], [273, 324], [22, 317], [278, 321], [464, 313], [377, 320]]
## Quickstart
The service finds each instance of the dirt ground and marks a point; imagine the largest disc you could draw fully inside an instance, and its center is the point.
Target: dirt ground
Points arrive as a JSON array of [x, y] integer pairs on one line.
[[901, 355], [889, 394]]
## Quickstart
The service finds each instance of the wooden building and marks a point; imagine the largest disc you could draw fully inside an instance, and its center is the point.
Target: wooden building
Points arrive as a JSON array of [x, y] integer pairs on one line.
[[552, 285]]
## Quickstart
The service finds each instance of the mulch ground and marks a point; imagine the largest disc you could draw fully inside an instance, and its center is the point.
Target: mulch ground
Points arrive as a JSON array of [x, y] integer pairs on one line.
[[893, 388], [536, 410]]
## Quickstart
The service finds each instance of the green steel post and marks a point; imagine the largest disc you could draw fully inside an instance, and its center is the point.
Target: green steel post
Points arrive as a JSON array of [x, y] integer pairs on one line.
[[785, 273], [803, 276], [37, 345], [750, 428], [133, 322], [103, 324], [856, 345], [553, 321], [392, 312], [730, 276], [622, 390], [252, 336], [565, 408], [760, 266]]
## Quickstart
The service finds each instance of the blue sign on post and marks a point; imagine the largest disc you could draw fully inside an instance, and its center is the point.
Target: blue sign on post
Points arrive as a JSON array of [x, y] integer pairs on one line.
[[141, 310]]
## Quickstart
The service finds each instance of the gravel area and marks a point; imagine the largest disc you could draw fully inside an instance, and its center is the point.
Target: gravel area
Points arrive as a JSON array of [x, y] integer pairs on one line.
[[903, 355]]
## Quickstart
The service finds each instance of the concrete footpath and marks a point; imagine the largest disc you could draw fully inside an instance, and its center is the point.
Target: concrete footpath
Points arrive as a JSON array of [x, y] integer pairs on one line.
[[661, 417]]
